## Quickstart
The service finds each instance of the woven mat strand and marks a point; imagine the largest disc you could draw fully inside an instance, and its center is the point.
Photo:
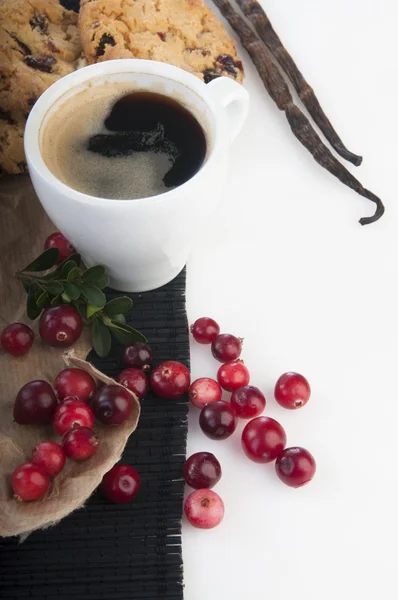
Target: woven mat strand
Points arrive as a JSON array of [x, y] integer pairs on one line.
[[121, 552]]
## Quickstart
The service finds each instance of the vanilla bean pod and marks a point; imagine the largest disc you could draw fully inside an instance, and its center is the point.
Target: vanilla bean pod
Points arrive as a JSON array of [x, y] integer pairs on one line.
[[257, 16], [300, 125]]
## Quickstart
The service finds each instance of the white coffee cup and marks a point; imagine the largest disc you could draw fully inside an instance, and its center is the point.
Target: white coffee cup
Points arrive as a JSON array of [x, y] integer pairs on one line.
[[144, 243]]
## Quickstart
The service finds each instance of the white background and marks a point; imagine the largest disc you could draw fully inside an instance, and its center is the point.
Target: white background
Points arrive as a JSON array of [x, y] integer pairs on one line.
[[286, 265]]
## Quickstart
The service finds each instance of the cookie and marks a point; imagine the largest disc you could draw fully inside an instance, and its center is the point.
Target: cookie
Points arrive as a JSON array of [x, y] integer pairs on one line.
[[184, 33], [12, 157], [39, 43]]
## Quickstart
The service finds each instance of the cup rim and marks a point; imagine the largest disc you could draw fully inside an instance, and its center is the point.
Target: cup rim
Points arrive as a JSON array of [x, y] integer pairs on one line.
[[85, 74]]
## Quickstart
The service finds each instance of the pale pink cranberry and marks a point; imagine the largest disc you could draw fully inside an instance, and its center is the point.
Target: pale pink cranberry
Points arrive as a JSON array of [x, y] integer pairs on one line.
[[204, 390], [204, 509]]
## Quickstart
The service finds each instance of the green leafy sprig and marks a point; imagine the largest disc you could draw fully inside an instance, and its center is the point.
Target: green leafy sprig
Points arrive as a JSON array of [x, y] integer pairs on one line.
[[72, 282]]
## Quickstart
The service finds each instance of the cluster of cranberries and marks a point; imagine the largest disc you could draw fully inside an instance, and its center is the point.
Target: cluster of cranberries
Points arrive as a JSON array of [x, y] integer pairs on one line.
[[71, 405], [263, 438], [59, 326]]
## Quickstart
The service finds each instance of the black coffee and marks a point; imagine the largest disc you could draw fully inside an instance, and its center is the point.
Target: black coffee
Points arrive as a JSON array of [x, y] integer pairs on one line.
[[134, 145]]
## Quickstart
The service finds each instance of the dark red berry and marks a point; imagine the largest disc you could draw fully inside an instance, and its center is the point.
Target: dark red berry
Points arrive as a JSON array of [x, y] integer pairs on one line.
[[70, 414], [204, 509], [134, 380], [17, 339], [292, 390], [60, 325], [205, 330], [263, 439], [233, 375], [248, 401], [80, 443], [202, 470], [57, 240], [35, 403], [204, 390], [295, 466], [29, 482], [170, 379], [50, 457], [74, 383], [218, 420], [121, 484], [112, 404], [138, 356], [226, 347]]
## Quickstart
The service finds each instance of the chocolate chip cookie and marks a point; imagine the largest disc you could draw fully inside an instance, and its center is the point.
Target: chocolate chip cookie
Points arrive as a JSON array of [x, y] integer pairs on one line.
[[184, 33], [39, 43]]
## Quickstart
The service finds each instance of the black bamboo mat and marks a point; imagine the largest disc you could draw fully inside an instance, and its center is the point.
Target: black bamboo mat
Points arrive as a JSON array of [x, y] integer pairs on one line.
[[121, 552]]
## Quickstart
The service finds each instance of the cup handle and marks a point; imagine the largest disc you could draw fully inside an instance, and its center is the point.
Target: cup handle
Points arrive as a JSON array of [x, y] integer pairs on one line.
[[234, 100]]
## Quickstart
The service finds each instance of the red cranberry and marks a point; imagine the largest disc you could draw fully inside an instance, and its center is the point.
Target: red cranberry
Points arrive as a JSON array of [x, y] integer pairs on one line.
[[50, 457], [74, 383], [295, 466], [170, 379], [135, 381], [121, 484], [204, 390], [218, 420], [112, 404], [204, 509], [248, 402], [202, 470], [57, 240], [263, 439], [29, 482], [233, 375], [205, 330], [80, 443], [292, 390], [60, 325], [226, 347], [17, 339], [35, 403], [139, 356], [72, 413]]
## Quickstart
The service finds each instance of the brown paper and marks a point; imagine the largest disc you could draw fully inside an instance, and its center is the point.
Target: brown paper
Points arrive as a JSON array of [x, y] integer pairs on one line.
[[23, 228]]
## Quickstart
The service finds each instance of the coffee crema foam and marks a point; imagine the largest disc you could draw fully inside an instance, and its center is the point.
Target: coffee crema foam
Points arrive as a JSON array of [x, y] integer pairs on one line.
[[111, 141]]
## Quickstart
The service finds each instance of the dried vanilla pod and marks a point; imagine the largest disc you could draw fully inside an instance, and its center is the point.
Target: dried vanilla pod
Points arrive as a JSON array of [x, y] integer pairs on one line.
[[300, 125], [257, 16]]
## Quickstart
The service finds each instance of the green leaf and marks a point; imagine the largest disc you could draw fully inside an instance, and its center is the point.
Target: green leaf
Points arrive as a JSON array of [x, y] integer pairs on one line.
[[136, 336], [101, 338], [118, 305], [41, 301], [93, 274], [32, 310], [72, 290], [66, 298], [93, 294], [45, 261], [55, 301], [55, 288], [103, 281], [26, 285], [58, 272], [92, 310], [73, 274], [119, 319], [123, 337], [82, 312], [76, 258], [67, 267]]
